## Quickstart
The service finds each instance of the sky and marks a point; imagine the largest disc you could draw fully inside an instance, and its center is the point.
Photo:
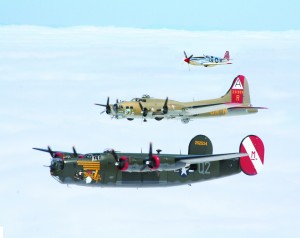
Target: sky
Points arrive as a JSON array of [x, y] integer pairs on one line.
[[176, 14], [53, 72]]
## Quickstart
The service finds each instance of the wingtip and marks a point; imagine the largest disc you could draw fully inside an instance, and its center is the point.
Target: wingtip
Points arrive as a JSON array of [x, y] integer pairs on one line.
[[39, 149]]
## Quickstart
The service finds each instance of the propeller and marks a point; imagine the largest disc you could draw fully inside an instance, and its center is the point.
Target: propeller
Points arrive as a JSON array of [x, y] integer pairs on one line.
[[150, 154], [149, 161], [115, 107], [165, 107], [54, 154], [107, 106], [187, 59], [115, 155], [51, 152], [121, 163], [152, 161], [74, 152], [57, 161], [144, 110]]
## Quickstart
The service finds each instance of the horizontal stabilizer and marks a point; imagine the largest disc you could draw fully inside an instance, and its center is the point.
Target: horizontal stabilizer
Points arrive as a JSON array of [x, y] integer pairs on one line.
[[233, 108], [198, 109]]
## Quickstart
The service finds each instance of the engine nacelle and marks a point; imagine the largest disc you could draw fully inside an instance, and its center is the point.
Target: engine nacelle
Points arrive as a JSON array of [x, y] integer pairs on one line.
[[123, 163], [131, 164], [154, 163]]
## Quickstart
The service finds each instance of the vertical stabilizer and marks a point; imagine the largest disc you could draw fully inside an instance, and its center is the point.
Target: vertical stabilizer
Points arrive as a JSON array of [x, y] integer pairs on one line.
[[254, 147], [238, 92], [200, 145], [226, 55]]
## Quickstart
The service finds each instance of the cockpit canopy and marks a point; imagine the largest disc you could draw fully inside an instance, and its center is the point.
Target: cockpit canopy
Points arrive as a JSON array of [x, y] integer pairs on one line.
[[142, 99]]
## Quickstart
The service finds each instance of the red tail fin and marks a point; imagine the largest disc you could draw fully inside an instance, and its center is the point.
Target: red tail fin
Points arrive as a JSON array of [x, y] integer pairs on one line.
[[254, 147], [226, 56], [237, 89]]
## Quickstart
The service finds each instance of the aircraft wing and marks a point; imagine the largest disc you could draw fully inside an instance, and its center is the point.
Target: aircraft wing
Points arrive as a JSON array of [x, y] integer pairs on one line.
[[210, 64], [61, 154], [52, 151], [198, 109], [196, 159], [197, 57]]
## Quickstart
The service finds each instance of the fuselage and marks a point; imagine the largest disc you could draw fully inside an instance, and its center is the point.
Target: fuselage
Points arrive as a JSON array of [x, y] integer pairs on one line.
[[207, 61], [236, 101], [98, 169], [154, 109]]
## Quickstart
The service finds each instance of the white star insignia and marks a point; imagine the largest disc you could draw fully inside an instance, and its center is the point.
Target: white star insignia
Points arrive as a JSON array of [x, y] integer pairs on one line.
[[183, 171]]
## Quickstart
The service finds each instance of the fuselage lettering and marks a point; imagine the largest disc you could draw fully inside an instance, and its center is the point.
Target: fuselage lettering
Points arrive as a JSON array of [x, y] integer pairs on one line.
[[218, 112], [204, 168], [200, 142], [96, 157], [253, 155]]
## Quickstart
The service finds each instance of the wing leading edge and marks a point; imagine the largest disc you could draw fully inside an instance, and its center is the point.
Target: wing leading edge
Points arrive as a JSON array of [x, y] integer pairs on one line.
[[195, 159]]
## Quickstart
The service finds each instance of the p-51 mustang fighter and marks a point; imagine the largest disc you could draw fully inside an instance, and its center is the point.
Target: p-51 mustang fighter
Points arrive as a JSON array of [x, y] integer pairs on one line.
[[207, 60], [115, 169], [235, 102]]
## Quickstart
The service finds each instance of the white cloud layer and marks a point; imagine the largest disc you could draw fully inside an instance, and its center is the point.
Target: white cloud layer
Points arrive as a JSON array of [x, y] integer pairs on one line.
[[50, 79]]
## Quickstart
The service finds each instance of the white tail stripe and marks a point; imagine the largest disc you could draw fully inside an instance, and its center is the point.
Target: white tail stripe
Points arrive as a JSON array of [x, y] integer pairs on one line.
[[253, 155], [238, 84]]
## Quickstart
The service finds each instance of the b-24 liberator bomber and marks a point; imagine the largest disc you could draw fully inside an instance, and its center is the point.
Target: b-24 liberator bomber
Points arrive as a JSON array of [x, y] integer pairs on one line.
[[235, 102], [207, 60], [116, 169]]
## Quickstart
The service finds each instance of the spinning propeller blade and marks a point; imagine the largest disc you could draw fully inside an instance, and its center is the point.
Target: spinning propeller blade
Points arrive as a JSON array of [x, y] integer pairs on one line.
[[144, 110], [107, 106], [74, 152], [51, 152], [187, 59], [165, 107], [148, 162]]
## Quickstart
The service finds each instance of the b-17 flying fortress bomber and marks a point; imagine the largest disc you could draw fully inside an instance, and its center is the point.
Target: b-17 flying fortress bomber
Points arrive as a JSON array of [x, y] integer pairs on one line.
[[235, 102], [116, 169]]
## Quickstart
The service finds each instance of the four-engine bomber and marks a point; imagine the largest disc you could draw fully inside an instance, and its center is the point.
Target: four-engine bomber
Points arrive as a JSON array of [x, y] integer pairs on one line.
[[111, 168]]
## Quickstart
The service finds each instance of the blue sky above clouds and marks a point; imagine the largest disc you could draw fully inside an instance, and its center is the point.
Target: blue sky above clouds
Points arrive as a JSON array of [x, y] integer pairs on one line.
[[52, 74], [176, 14]]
